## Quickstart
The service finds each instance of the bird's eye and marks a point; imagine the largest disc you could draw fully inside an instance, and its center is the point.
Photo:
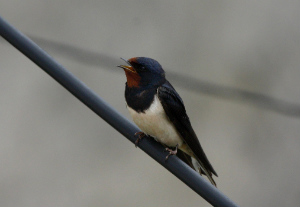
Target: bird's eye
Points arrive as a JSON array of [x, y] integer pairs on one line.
[[142, 68]]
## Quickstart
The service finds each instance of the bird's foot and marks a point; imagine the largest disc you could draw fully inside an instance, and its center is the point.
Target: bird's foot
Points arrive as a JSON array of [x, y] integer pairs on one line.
[[171, 152], [140, 136]]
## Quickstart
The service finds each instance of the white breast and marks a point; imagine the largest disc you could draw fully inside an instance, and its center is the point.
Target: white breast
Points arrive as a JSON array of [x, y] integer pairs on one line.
[[155, 122]]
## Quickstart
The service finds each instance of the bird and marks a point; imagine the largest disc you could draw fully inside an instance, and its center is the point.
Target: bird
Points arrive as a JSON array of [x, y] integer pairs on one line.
[[158, 110]]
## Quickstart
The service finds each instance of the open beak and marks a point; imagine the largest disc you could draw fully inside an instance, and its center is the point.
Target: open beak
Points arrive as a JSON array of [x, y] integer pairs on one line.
[[127, 67]]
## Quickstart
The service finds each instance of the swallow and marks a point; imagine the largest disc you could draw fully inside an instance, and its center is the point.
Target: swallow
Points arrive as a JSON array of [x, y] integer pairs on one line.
[[158, 110]]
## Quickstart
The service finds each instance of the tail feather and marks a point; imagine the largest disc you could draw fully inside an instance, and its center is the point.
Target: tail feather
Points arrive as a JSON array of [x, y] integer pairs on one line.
[[198, 165]]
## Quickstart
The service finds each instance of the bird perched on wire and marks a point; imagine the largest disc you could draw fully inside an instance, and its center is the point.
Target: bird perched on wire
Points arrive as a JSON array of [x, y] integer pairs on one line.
[[158, 111]]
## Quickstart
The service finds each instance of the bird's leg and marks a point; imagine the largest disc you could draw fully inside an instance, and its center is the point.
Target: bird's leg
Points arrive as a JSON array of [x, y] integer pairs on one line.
[[171, 152], [140, 136]]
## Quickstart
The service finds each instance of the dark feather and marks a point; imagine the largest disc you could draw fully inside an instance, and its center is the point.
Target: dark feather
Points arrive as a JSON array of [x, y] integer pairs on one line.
[[185, 158], [175, 110]]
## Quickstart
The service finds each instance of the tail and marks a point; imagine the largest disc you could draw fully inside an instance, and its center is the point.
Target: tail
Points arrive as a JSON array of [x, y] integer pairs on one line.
[[199, 167], [196, 165]]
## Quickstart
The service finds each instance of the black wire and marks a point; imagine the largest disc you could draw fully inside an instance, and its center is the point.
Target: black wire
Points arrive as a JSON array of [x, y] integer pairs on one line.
[[230, 93], [192, 84], [111, 116]]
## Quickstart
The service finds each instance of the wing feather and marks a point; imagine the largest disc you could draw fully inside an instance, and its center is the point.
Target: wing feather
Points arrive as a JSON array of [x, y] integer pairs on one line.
[[175, 110]]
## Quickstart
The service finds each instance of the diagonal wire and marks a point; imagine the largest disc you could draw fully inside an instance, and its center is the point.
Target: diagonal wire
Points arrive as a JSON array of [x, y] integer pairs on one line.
[[192, 84], [111, 116]]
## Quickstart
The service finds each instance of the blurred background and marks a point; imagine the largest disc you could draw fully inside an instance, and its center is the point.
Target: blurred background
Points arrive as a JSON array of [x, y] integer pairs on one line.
[[55, 152]]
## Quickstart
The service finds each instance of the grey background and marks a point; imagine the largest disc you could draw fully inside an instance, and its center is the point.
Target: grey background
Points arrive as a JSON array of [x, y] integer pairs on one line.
[[55, 152]]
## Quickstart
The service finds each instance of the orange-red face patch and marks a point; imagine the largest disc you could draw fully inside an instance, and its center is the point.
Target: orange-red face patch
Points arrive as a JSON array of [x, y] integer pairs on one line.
[[133, 78]]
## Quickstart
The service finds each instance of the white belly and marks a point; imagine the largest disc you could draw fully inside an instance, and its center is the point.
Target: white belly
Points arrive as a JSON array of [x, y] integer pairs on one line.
[[155, 123]]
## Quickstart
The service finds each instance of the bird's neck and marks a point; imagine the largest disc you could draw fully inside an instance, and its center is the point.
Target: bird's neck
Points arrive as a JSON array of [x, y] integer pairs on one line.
[[140, 98]]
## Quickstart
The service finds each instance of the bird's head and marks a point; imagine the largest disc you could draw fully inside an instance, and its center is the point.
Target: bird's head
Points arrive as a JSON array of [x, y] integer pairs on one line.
[[143, 71]]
